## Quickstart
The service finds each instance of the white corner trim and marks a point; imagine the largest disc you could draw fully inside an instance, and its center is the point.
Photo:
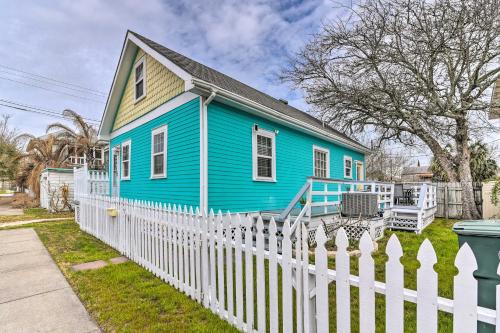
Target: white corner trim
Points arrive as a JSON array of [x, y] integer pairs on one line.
[[142, 61], [124, 144], [162, 129], [347, 158], [164, 108], [272, 136], [324, 150]]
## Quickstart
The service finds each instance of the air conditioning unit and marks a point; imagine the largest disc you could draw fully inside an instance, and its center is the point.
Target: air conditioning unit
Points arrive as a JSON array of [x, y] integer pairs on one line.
[[356, 204]]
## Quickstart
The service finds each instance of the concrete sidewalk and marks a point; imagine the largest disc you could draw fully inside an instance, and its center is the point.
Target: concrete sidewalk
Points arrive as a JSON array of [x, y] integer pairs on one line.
[[34, 295]]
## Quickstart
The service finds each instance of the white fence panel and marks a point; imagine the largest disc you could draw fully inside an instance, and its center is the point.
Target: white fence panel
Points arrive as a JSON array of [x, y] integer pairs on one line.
[[211, 259]]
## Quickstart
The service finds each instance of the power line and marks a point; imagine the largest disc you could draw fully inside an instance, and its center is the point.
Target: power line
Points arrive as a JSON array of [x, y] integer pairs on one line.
[[51, 79], [56, 91], [46, 113], [53, 83], [42, 109]]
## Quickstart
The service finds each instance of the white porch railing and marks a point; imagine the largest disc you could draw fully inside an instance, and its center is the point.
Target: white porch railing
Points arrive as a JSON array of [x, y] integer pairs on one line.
[[87, 181], [202, 256], [416, 217]]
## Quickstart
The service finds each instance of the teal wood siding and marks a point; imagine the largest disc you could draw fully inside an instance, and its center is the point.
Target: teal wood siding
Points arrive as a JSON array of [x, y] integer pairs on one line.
[[230, 179], [183, 158]]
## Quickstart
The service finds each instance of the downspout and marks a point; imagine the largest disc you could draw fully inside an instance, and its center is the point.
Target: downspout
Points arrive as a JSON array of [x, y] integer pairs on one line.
[[204, 151]]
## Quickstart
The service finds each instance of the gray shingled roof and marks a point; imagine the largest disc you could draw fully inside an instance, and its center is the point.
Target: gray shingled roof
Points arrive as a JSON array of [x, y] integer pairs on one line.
[[416, 170], [225, 82]]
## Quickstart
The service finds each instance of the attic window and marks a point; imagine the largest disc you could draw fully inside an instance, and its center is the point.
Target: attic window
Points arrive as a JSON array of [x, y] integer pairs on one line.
[[140, 79]]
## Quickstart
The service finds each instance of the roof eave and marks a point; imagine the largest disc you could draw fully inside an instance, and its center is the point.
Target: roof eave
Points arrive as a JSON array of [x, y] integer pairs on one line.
[[206, 86]]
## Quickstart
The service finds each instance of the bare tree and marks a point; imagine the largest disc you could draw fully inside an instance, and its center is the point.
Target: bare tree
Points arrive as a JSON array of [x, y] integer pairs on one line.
[[384, 165], [414, 71]]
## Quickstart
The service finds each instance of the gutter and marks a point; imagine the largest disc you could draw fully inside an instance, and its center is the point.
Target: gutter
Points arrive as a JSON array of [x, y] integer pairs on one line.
[[204, 150], [264, 109]]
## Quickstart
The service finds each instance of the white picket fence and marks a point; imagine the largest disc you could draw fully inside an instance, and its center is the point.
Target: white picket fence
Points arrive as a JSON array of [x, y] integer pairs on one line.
[[220, 261]]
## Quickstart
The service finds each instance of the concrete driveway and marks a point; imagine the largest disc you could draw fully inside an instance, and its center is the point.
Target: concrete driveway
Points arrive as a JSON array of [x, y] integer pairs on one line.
[[34, 295]]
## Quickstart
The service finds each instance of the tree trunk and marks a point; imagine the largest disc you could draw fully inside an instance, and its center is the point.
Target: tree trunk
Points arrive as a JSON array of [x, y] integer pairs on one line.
[[469, 208]]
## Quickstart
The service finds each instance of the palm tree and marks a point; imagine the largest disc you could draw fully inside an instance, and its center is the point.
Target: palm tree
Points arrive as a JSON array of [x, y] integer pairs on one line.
[[42, 153], [83, 136]]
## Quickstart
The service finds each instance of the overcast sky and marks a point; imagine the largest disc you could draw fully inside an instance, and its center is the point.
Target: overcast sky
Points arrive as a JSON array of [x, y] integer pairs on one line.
[[79, 42]]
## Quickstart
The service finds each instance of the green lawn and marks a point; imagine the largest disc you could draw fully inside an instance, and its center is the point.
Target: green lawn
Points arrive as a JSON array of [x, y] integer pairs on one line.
[[34, 214], [123, 297], [128, 298]]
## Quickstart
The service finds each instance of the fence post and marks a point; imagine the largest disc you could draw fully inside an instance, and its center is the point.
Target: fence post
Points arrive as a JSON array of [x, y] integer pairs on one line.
[[445, 205]]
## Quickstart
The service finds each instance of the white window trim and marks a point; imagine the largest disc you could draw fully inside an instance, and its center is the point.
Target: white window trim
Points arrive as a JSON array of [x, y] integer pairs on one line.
[[362, 166], [324, 150], [155, 131], [143, 62], [347, 158], [129, 144], [272, 136]]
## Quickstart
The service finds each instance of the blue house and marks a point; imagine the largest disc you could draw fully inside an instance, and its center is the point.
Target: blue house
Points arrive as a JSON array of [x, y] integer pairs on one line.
[[181, 132]]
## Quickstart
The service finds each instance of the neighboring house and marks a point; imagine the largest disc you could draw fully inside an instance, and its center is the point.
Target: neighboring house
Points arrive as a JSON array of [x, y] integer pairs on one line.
[[183, 133], [76, 154], [417, 174]]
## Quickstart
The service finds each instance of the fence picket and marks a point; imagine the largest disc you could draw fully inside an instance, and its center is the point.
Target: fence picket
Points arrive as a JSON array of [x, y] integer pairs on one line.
[[298, 279], [228, 227], [366, 285], [261, 279], [213, 281], [286, 276], [343, 294], [465, 291], [238, 272], [321, 282], [204, 260], [394, 271], [273, 278], [220, 264], [197, 239], [426, 289], [249, 273], [309, 305], [175, 245]]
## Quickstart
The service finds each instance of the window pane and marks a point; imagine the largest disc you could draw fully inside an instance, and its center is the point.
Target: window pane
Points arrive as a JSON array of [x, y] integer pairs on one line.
[[264, 146], [320, 164], [138, 72], [158, 162], [139, 89], [125, 169], [125, 156], [264, 167], [158, 141]]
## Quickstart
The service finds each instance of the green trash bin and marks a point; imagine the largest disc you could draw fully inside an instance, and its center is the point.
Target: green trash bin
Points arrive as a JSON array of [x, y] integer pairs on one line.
[[483, 236]]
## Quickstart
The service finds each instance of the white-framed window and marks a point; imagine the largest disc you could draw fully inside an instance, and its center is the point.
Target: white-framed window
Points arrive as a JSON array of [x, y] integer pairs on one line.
[[159, 152], [264, 155], [140, 79], [347, 167], [321, 162], [126, 154]]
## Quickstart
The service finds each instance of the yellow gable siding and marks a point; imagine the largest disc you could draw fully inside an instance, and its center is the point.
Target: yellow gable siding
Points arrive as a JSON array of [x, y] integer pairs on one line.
[[161, 85]]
